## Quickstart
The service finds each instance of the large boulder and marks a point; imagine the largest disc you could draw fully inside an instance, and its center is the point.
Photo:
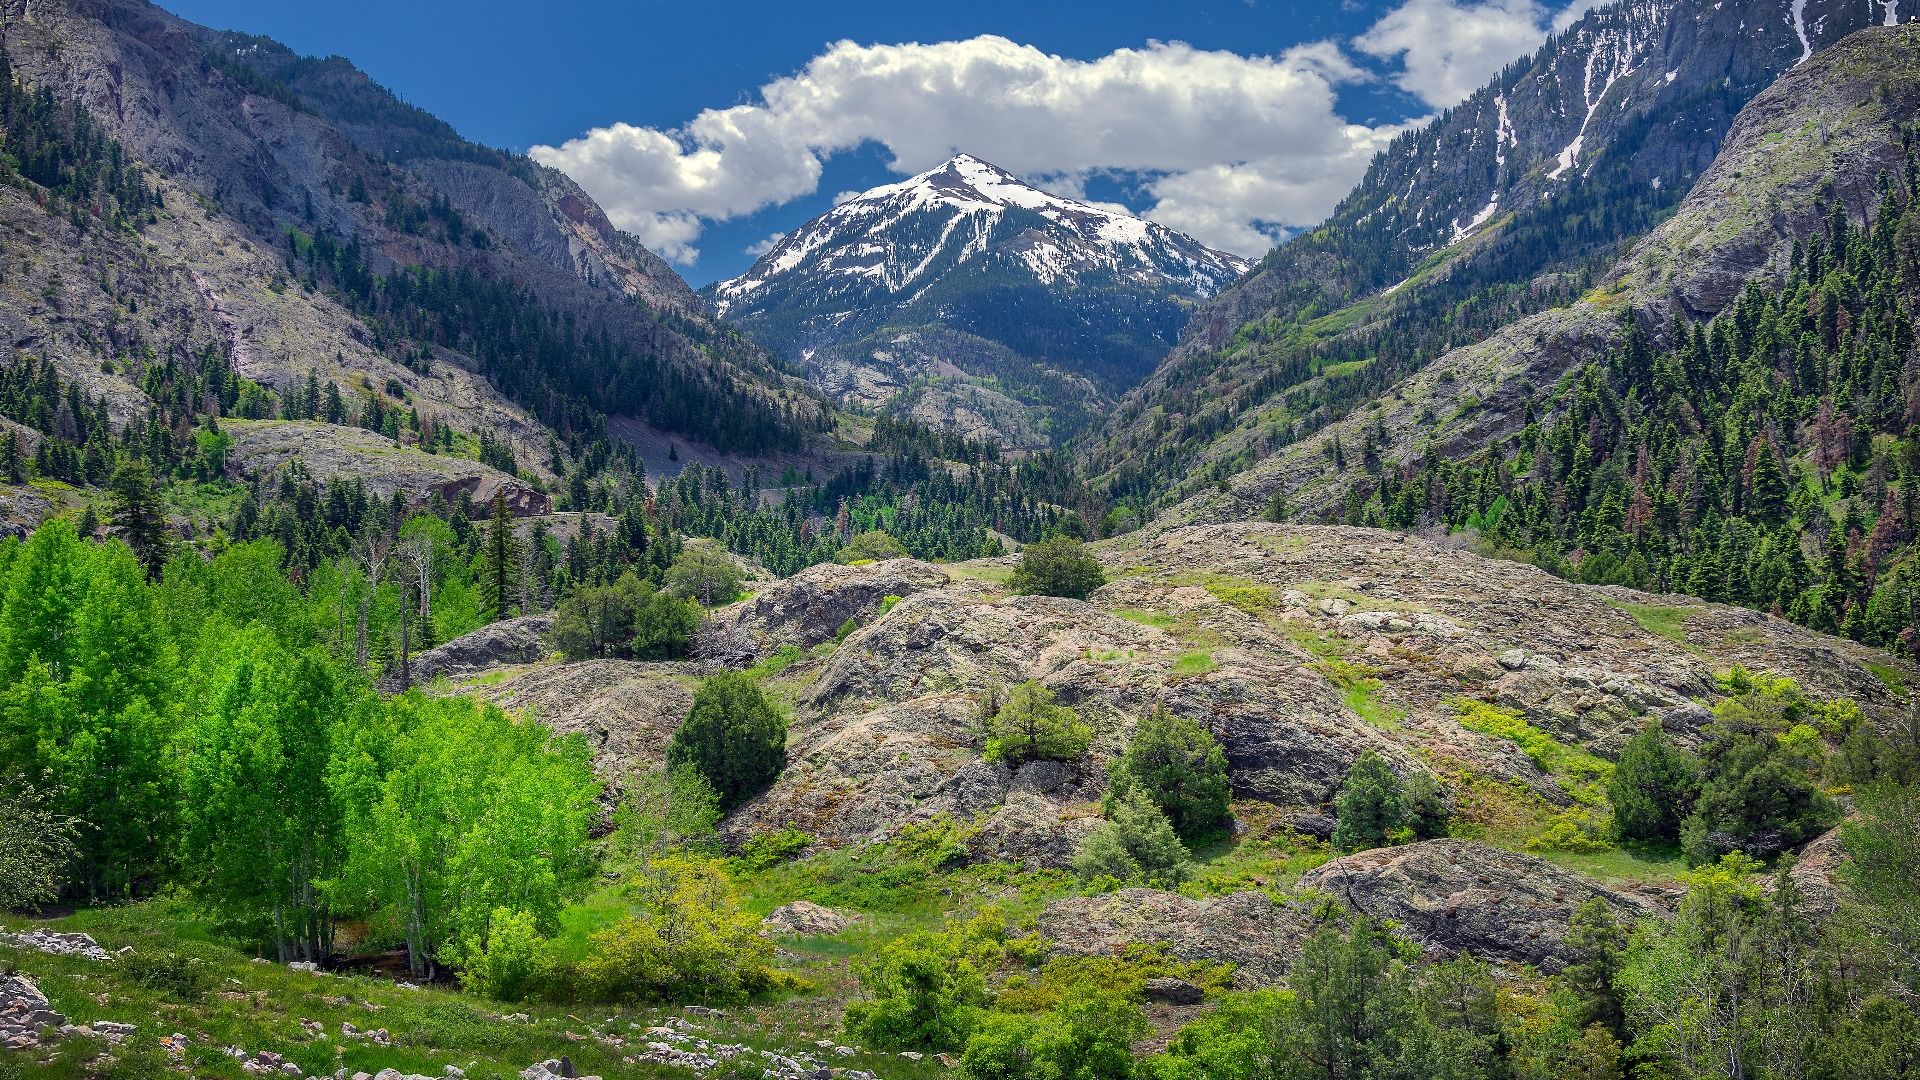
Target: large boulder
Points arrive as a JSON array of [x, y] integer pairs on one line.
[[1249, 930], [508, 642], [809, 608], [626, 710], [1457, 896], [806, 919]]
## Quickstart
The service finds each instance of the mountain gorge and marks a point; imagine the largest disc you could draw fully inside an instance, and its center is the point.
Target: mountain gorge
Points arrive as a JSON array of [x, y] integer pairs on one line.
[[965, 298]]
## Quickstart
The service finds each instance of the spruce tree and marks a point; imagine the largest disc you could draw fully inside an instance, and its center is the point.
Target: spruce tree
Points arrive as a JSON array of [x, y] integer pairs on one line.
[[499, 562], [139, 517]]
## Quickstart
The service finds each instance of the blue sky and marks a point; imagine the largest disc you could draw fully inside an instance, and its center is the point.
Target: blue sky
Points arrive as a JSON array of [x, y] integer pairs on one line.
[[707, 126]]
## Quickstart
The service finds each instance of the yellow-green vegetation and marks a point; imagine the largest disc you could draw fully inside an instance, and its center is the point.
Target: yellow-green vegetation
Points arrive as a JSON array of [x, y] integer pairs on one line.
[[1578, 772], [1192, 664], [1668, 622], [1250, 598], [1360, 689]]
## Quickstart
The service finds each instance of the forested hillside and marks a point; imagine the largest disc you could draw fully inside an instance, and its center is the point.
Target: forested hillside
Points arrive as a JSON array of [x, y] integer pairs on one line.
[[1515, 202]]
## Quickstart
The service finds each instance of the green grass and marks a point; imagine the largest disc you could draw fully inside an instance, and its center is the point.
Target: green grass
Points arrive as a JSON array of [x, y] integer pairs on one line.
[[1260, 859], [1888, 675], [1159, 620], [1192, 664], [1668, 622], [260, 1007], [777, 662]]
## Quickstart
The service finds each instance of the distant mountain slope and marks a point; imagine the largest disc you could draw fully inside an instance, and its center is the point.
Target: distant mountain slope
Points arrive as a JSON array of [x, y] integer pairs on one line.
[[1514, 202], [310, 222], [1820, 142], [964, 292]]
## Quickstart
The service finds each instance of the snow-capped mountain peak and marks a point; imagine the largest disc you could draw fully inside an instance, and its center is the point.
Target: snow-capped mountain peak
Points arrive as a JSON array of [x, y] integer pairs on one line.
[[888, 244]]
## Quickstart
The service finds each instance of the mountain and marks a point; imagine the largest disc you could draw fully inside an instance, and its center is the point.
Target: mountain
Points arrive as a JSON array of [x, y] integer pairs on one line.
[[965, 297], [209, 224], [1518, 201]]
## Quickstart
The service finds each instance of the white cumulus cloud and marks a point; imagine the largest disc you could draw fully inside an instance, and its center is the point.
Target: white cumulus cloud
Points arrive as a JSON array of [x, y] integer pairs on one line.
[[1447, 49], [1198, 126], [1235, 150]]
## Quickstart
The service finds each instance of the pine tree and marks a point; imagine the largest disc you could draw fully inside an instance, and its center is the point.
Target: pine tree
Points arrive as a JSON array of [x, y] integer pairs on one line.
[[499, 562]]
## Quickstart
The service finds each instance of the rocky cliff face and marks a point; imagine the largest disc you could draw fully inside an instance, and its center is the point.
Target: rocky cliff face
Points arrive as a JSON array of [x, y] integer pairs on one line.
[[1515, 202], [915, 295]]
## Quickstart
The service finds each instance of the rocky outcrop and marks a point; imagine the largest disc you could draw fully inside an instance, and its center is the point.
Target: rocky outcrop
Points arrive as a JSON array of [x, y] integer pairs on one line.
[[809, 608], [1298, 646], [626, 710], [1249, 930], [1456, 896], [806, 919], [54, 943], [330, 451], [25, 1015], [510, 641]]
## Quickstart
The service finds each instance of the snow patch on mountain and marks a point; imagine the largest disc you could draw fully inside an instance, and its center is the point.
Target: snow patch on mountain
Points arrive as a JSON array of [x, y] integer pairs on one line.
[[901, 237]]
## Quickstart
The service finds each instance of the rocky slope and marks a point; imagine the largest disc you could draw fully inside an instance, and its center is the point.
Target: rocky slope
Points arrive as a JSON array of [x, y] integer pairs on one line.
[[246, 143], [1512, 204], [966, 297], [1299, 647], [1822, 136]]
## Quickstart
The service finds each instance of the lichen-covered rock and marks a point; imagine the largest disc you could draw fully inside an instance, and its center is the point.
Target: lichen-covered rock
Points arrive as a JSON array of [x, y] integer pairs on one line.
[[510, 641], [329, 451], [809, 608], [1456, 896], [805, 918], [626, 710], [1249, 930]]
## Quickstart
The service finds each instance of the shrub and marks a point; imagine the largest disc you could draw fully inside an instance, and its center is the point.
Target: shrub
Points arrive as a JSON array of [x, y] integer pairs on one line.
[[1180, 766], [705, 573], [511, 962], [1653, 788], [734, 737], [1058, 567], [1029, 726], [35, 844], [1429, 811], [770, 848], [689, 941], [1759, 797], [1136, 845], [870, 546], [921, 992], [1088, 1036], [1371, 807], [663, 627], [177, 976]]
